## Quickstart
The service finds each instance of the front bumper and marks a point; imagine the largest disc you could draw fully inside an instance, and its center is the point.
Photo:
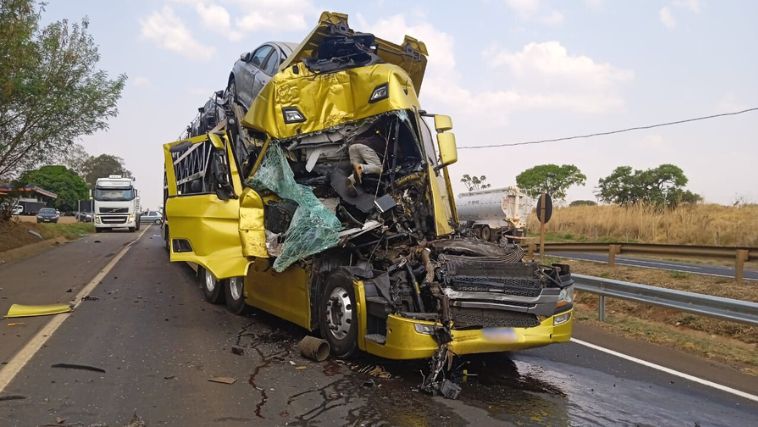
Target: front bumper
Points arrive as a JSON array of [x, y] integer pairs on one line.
[[404, 342]]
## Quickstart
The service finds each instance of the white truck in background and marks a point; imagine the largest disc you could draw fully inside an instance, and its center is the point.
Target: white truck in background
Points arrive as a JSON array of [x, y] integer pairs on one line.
[[116, 204], [495, 213]]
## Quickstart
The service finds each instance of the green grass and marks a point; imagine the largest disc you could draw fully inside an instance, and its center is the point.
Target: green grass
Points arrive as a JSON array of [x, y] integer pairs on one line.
[[69, 231]]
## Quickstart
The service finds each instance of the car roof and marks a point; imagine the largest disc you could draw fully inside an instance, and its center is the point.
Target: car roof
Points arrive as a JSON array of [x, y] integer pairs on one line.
[[286, 47]]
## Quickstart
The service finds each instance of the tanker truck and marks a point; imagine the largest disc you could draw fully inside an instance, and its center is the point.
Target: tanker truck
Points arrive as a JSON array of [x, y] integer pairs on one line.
[[494, 214]]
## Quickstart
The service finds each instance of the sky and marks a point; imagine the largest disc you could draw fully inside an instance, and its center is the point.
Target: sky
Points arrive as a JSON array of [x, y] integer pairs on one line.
[[505, 70]]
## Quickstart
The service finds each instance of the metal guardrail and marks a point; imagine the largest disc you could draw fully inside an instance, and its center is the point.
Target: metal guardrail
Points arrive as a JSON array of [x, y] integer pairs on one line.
[[740, 254], [691, 302]]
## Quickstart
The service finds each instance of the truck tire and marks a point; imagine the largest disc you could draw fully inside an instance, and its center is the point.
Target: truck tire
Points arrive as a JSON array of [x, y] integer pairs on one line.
[[213, 289], [132, 229], [234, 290], [98, 230], [338, 314], [486, 233]]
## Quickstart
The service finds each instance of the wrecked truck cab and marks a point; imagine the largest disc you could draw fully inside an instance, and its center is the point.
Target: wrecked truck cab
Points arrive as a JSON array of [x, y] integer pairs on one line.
[[346, 220]]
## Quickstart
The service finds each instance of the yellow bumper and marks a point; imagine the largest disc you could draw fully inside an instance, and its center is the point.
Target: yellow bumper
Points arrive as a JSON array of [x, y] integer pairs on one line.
[[404, 342]]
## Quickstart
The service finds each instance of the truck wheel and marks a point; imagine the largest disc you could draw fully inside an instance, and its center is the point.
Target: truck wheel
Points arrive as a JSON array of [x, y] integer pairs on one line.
[[98, 230], [338, 315], [166, 239], [213, 289], [486, 233], [234, 291], [132, 229]]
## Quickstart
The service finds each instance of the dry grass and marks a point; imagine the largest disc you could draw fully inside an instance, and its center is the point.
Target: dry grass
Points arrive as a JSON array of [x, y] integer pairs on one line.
[[705, 224]]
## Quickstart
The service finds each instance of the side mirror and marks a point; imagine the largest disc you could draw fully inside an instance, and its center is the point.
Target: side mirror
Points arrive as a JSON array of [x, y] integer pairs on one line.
[[245, 56], [448, 150], [442, 123]]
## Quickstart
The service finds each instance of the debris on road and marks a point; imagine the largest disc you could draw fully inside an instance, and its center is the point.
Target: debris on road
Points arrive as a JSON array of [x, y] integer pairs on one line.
[[223, 380], [90, 298], [239, 351], [16, 324], [35, 234], [314, 348], [12, 397], [19, 310], [169, 377], [78, 366], [60, 420]]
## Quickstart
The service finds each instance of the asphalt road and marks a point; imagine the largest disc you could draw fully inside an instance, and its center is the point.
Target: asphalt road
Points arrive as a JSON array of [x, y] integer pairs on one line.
[[710, 270], [146, 344]]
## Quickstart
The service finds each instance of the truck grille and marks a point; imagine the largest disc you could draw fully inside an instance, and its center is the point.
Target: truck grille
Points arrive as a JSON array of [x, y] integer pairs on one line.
[[113, 210], [477, 317], [113, 219], [508, 285]]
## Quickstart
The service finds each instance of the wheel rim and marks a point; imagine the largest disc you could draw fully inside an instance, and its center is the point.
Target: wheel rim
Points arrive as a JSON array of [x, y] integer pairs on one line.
[[210, 282], [235, 288], [339, 313]]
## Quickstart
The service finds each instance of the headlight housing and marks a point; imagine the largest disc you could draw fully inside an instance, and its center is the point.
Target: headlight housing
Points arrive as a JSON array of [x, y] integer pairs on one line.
[[292, 115], [380, 92]]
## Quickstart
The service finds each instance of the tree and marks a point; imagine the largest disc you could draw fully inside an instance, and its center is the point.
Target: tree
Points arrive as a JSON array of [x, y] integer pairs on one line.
[[583, 203], [550, 178], [75, 159], [61, 180], [662, 186], [102, 166], [51, 91], [474, 183]]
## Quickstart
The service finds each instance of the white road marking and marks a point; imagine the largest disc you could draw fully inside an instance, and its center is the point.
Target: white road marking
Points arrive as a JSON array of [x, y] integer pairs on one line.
[[20, 359], [655, 263], [669, 371]]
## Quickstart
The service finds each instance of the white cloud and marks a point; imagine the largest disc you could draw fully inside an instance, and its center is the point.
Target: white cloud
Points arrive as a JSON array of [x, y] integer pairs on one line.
[[524, 8], [692, 5], [594, 4], [547, 75], [168, 31], [141, 81], [532, 10], [289, 15], [542, 76], [667, 18], [217, 19]]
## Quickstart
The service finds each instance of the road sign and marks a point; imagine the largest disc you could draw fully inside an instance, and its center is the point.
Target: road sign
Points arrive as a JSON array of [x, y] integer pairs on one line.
[[544, 208]]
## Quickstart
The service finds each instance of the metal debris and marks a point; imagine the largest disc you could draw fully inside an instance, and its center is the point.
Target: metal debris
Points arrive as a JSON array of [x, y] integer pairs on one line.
[[78, 366], [223, 380], [19, 310]]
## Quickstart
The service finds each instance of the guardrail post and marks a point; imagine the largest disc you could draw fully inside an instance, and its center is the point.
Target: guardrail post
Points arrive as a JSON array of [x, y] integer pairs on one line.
[[531, 250], [601, 308], [739, 265], [613, 250]]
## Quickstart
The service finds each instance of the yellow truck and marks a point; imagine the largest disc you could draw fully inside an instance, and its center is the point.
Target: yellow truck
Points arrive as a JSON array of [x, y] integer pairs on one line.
[[280, 217]]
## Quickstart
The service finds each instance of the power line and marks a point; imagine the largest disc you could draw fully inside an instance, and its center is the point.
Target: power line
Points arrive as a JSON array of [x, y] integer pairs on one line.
[[678, 122]]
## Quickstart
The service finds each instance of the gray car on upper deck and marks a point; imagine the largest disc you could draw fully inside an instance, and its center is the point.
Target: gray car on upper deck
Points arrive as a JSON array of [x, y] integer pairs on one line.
[[254, 69]]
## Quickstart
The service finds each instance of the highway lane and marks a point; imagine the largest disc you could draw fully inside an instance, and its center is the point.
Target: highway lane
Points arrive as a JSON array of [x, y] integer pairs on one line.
[[158, 342], [709, 270], [51, 277]]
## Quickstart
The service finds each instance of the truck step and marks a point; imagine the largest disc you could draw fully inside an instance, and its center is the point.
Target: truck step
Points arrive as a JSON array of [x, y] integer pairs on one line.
[[377, 338]]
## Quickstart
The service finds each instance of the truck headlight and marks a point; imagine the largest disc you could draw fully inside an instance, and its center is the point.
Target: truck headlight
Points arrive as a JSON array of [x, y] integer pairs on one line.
[[424, 329], [380, 92], [292, 115], [97, 219], [131, 218]]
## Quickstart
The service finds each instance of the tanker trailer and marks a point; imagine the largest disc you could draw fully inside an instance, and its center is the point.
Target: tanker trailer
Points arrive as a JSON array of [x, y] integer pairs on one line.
[[495, 213]]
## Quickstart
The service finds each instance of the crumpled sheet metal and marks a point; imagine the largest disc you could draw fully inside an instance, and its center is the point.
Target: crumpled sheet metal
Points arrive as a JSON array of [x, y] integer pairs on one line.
[[328, 100], [314, 228], [19, 310]]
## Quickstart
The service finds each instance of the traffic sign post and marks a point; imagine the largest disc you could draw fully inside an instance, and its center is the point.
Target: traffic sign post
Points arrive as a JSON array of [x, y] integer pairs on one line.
[[544, 212]]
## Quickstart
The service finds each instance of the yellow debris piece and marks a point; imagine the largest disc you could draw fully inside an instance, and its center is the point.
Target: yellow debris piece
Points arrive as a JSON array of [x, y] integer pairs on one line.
[[18, 310]]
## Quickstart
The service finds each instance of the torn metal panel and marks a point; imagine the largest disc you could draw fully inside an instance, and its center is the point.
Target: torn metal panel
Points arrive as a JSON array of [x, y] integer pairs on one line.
[[19, 310]]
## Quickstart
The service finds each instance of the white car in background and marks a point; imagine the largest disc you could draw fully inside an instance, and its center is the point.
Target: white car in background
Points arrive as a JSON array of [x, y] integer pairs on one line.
[[151, 217]]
